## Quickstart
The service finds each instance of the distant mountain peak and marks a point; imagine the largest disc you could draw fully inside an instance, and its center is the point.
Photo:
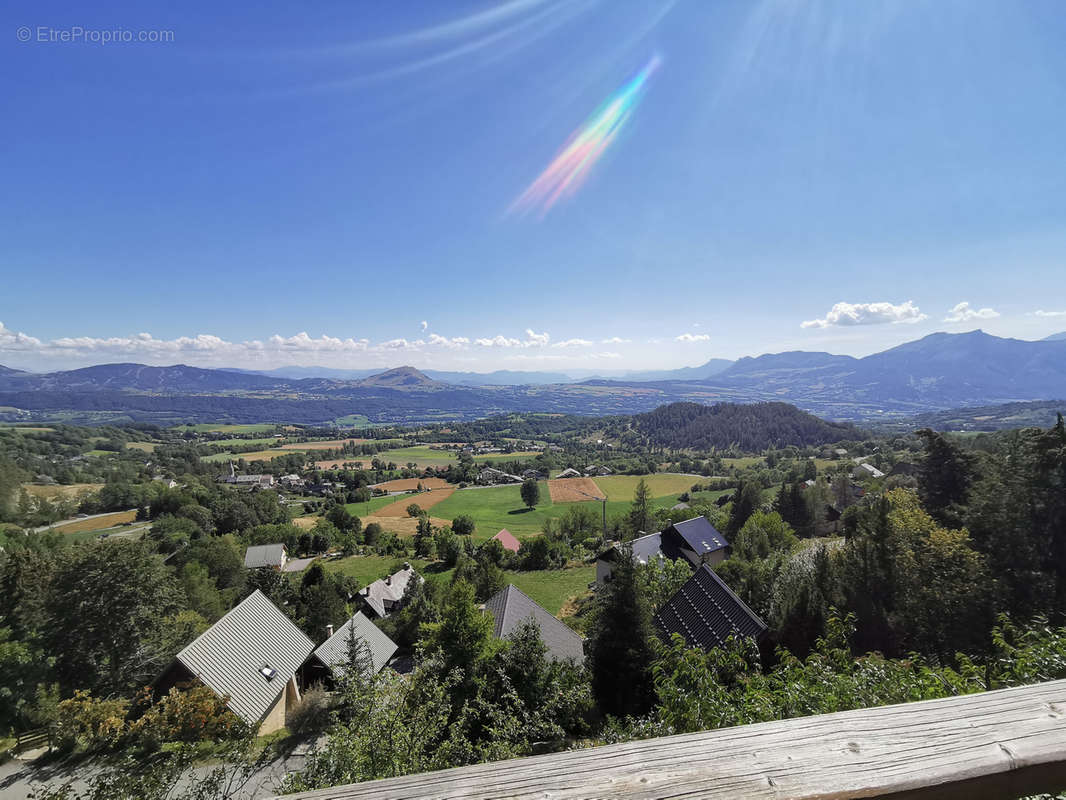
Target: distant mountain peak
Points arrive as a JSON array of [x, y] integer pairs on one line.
[[401, 378]]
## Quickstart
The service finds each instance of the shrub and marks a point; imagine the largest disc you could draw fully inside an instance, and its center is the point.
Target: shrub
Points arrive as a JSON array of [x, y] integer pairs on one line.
[[94, 723], [185, 714], [313, 712]]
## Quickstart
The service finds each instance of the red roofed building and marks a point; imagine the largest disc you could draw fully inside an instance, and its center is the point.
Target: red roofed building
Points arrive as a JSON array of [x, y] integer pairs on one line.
[[506, 538]]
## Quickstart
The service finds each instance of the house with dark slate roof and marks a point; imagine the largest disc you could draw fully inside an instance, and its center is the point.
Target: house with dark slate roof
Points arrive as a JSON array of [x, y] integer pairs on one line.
[[250, 658], [695, 541], [706, 612], [510, 607], [330, 659], [385, 595]]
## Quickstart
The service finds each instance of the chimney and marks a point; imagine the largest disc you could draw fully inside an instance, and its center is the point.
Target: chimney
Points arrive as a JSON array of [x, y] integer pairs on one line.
[[329, 631], [407, 565], [388, 580]]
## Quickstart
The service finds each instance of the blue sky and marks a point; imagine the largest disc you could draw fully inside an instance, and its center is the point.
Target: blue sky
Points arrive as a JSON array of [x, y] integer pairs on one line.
[[280, 184]]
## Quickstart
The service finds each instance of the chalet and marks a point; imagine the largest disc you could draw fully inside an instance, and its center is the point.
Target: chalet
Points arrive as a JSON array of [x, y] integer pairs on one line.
[[292, 481], [262, 556], [249, 658], [511, 607], [569, 472], [865, 470], [493, 475], [695, 541], [507, 539], [385, 595], [533, 475], [706, 612], [601, 472], [330, 659]]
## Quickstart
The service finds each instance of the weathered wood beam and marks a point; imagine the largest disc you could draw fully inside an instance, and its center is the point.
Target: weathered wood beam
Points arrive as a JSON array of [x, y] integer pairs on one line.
[[998, 744]]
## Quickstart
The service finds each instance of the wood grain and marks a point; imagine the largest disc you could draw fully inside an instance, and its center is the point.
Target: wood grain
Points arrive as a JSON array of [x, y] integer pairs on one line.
[[995, 744]]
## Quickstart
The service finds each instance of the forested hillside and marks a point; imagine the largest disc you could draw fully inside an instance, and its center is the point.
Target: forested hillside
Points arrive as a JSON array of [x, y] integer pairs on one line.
[[754, 426]]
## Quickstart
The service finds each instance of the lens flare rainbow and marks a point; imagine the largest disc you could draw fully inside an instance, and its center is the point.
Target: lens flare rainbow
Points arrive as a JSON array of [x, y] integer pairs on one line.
[[570, 168]]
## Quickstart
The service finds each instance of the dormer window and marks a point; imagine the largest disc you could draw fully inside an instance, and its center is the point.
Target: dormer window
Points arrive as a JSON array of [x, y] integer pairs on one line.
[[267, 672]]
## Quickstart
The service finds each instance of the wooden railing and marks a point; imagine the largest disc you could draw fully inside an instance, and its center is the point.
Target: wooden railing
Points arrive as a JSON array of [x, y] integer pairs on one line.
[[1000, 744]]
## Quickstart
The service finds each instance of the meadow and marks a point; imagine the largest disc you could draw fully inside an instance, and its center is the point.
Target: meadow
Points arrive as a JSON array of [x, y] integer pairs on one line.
[[550, 588], [517, 455], [255, 455], [260, 427], [496, 507]]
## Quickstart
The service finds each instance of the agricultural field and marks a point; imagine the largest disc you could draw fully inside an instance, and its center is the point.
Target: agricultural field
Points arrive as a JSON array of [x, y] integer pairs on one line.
[[408, 484], [375, 503], [25, 429], [424, 500], [621, 487], [255, 455], [518, 455], [257, 442], [50, 492], [146, 447], [573, 490], [496, 507], [422, 456], [261, 427], [323, 444], [352, 421], [404, 527], [99, 523]]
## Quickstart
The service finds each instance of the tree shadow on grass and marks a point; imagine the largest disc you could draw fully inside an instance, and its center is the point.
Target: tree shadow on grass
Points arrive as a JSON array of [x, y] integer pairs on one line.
[[520, 511]]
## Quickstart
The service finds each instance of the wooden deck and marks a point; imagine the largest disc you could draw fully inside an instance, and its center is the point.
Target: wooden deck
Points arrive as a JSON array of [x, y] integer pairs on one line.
[[1000, 744]]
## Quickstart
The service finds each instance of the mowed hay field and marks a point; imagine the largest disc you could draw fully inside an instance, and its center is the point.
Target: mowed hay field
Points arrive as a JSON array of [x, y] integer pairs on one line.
[[98, 523], [326, 444], [424, 500], [497, 507], [622, 487], [573, 490], [255, 455], [404, 526]]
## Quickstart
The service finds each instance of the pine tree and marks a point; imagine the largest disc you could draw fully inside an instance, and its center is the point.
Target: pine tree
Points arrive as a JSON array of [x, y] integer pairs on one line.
[[619, 651], [640, 518]]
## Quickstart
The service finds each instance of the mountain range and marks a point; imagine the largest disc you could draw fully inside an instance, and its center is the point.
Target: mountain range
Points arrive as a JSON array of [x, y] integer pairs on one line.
[[940, 371]]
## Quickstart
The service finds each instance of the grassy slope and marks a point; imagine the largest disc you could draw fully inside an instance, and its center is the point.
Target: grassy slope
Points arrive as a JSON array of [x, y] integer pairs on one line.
[[550, 588]]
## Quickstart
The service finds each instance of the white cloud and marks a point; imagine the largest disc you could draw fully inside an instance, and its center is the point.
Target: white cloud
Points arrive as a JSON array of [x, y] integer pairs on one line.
[[1038, 313], [532, 340], [963, 313], [693, 337], [867, 314], [12, 340], [615, 340], [425, 325], [454, 343], [574, 343]]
